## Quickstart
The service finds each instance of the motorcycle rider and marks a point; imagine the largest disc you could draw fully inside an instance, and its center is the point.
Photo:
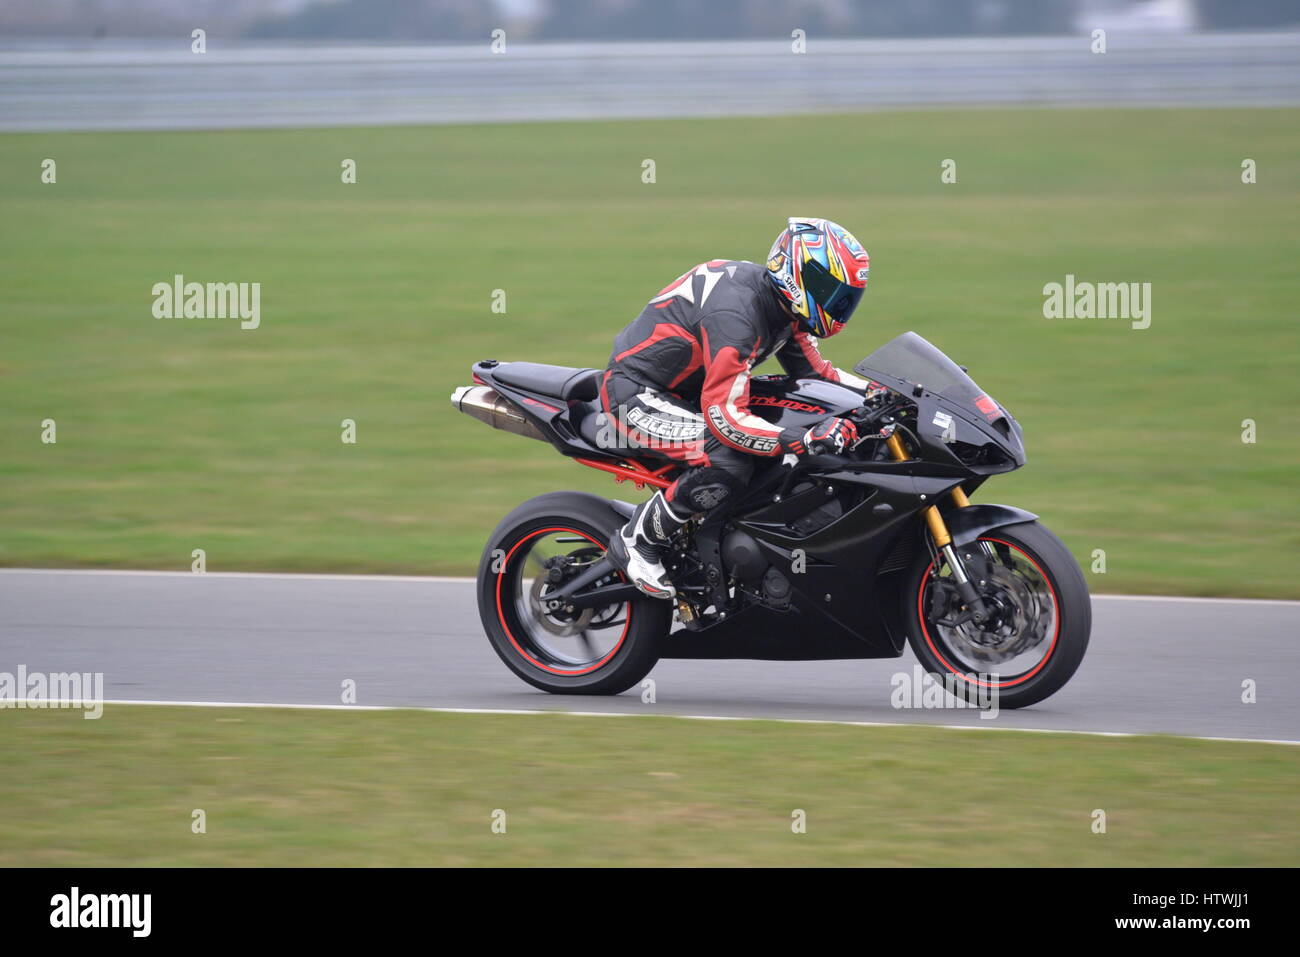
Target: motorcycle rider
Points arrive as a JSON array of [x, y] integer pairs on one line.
[[677, 383]]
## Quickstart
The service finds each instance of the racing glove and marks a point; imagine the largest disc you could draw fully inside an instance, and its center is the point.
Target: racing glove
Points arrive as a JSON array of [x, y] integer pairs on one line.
[[831, 436]]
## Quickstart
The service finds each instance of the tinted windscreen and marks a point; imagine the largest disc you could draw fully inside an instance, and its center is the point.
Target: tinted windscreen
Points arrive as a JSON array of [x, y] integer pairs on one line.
[[911, 358]]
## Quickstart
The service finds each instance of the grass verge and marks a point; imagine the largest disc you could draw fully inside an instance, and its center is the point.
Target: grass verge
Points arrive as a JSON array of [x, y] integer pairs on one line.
[[301, 788]]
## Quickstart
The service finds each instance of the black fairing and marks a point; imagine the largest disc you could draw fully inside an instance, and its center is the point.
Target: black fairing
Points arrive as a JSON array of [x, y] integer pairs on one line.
[[981, 435]]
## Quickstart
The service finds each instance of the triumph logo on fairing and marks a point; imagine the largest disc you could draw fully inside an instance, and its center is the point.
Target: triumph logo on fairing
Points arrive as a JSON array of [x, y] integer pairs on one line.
[[734, 435], [786, 404]]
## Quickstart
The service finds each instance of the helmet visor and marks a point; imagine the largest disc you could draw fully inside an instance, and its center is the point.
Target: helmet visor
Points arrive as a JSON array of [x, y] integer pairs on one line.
[[837, 299]]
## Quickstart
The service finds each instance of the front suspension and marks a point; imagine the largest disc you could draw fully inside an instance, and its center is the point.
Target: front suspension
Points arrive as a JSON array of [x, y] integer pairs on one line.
[[939, 534]]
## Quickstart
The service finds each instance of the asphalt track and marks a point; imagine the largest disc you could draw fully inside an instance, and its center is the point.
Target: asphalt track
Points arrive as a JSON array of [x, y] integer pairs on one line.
[[1164, 665]]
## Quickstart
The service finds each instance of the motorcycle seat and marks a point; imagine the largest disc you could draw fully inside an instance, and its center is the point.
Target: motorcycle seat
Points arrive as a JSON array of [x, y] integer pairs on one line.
[[558, 382], [589, 418]]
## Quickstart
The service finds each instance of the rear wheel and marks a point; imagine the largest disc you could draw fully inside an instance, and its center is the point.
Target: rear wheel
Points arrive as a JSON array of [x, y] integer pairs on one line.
[[1039, 622], [536, 548]]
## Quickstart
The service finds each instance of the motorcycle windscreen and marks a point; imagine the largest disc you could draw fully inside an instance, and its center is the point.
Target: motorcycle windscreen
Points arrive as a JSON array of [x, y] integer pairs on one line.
[[917, 362]]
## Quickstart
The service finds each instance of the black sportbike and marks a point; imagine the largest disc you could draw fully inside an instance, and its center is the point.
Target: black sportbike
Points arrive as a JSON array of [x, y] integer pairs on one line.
[[823, 557]]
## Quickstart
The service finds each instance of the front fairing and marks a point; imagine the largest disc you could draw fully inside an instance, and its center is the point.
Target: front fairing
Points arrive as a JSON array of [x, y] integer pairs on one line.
[[956, 421], [949, 431]]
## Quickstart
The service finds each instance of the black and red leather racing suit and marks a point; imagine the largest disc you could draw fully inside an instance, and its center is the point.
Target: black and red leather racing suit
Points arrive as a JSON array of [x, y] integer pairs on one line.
[[677, 384]]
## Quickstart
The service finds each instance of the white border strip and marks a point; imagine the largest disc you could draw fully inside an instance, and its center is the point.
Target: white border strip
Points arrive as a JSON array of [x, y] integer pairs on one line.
[[304, 576], [461, 579], [40, 704]]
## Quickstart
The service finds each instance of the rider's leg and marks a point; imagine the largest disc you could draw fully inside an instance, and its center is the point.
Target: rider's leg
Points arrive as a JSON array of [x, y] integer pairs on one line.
[[664, 426], [661, 426], [724, 474], [640, 547]]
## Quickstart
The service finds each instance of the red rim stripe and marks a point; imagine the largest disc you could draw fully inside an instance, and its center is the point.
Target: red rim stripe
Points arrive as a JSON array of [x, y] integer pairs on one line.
[[1056, 606], [501, 616]]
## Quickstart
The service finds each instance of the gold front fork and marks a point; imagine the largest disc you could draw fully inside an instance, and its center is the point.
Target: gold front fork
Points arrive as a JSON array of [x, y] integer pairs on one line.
[[938, 529], [943, 540]]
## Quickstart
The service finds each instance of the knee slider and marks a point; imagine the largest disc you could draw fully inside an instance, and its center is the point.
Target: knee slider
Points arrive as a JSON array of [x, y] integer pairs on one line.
[[703, 490]]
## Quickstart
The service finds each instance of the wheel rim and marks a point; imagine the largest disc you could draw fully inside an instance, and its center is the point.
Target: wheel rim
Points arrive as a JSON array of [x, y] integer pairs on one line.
[[1023, 634], [558, 644]]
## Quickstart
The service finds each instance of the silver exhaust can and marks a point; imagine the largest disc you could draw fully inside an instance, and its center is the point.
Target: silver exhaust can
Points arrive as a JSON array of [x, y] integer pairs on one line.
[[486, 404]]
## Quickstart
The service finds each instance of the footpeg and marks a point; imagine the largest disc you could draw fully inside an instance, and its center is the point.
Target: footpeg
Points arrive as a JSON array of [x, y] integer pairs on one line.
[[687, 616]]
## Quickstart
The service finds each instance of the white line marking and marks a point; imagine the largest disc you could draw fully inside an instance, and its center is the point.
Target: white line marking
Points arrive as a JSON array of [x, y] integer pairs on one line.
[[460, 579], [305, 576], [38, 704], [1200, 599]]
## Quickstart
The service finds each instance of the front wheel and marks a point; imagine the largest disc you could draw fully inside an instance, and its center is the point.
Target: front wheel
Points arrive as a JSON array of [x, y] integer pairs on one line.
[[1039, 622], [539, 545]]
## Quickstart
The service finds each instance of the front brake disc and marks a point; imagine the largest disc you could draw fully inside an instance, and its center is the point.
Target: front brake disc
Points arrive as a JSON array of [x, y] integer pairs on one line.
[[1018, 629]]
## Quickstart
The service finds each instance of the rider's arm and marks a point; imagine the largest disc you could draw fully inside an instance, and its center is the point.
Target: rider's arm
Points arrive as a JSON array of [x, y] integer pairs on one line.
[[730, 343], [800, 358]]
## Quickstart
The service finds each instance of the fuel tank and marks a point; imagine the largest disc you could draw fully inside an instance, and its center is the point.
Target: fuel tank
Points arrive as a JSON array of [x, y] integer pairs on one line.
[[799, 403]]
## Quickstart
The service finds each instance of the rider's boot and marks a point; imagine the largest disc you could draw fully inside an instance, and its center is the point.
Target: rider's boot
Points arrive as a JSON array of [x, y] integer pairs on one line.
[[639, 548]]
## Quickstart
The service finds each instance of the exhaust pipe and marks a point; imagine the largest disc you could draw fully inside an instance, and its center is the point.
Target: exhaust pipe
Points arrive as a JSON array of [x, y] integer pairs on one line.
[[486, 404]]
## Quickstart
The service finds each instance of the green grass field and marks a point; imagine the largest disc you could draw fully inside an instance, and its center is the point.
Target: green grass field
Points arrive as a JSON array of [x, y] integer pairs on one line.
[[295, 788], [176, 434]]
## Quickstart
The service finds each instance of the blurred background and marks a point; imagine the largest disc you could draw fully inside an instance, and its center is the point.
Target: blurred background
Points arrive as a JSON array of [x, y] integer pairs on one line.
[[502, 146], [564, 20], [128, 64]]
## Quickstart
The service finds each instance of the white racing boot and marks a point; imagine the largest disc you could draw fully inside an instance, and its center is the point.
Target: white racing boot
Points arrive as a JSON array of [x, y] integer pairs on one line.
[[638, 548]]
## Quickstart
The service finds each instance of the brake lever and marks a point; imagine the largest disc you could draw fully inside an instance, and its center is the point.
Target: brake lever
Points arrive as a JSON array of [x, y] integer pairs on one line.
[[885, 432]]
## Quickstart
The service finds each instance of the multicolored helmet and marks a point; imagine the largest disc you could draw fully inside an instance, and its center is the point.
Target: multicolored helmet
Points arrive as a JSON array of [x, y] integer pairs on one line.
[[821, 271]]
